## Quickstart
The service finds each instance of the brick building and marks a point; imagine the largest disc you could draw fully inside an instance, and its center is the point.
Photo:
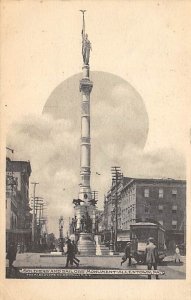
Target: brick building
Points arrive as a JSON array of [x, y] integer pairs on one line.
[[155, 200], [11, 203], [18, 216]]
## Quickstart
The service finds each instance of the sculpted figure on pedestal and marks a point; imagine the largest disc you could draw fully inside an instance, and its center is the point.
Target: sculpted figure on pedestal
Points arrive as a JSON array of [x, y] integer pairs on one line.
[[86, 47]]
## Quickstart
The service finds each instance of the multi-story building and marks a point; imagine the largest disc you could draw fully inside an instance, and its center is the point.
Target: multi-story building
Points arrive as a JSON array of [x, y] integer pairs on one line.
[[18, 216], [155, 200], [11, 205], [112, 201]]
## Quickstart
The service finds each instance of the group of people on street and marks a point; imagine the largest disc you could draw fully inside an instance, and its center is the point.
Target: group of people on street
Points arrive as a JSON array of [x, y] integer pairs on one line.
[[71, 254], [151, 255]]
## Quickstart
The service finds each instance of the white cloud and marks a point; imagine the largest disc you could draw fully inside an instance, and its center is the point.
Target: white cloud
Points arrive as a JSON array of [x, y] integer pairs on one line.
[[52, 147]]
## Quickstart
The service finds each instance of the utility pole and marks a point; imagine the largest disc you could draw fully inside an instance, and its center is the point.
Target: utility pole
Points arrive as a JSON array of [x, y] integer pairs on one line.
[[116, 178], [39, 206], [61, 233], [33, 216], [94, 198], [95, 195]]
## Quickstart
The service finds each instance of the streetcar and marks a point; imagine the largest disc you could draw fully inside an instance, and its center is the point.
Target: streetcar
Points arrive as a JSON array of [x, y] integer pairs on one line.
[[139, 234]]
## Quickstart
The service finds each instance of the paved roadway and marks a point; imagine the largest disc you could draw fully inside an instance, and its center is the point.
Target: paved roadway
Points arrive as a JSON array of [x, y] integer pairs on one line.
[[36, 260]]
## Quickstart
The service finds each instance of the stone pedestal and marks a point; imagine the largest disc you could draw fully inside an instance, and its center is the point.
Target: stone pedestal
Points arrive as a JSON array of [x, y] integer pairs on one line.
[[86, 244], [82, 210]]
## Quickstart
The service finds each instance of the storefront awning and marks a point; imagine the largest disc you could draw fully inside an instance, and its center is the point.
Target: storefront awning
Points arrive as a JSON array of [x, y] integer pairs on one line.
[[123, 236]]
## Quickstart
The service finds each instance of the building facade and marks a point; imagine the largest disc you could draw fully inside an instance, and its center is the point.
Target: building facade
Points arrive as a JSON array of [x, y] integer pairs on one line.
[[156, 200], [113, 202], [11, 203], [18, 216]]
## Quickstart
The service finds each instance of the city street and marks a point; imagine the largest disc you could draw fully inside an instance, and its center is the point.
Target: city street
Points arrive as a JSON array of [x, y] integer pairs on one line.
[[37, 260]]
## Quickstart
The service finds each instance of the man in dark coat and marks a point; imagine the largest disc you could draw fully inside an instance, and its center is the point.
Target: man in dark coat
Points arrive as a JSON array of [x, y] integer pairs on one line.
[[151, 254], [75, 259], [127, 254], [70, 254], [11, 255]]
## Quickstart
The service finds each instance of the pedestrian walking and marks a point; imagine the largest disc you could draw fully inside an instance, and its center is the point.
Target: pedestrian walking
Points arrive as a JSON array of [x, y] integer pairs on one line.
[[75, 259], [151, 253], [177, 254], [11, 256], [70, 254], [127, 254]]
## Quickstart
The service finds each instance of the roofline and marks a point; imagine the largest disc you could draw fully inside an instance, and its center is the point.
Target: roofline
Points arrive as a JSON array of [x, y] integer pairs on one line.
[[23, 162], [147, 224], [154, 180], [120, 182]]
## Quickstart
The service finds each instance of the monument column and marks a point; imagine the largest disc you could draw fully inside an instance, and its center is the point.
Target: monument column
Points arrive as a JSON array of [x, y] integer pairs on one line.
[[84, 207], [85, 149]]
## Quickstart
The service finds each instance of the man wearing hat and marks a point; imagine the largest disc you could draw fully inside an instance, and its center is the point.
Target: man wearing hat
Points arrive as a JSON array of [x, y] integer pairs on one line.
[[70, 254], [127, 254], [151, 256]]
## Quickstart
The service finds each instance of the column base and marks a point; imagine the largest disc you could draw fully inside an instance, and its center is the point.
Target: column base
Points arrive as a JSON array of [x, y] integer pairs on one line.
[[86, 244]]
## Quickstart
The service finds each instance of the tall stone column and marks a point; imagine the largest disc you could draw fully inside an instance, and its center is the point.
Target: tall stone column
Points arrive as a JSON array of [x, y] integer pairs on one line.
[[85, 149], [84, 208]]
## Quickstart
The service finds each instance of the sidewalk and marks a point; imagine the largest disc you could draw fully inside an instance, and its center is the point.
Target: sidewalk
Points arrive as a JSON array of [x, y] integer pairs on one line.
[[180, 267], [35, 260]]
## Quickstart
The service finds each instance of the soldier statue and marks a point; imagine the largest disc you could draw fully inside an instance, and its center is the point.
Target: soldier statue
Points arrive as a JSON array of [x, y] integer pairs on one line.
[[75, 224], [86, 47], [82, 224]]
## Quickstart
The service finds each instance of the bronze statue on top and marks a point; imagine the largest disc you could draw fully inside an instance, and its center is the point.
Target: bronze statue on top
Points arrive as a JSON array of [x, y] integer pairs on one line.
[[86, 45]]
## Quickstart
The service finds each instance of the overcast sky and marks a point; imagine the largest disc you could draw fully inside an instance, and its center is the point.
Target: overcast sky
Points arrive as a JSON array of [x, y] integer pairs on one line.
[[145, 45]]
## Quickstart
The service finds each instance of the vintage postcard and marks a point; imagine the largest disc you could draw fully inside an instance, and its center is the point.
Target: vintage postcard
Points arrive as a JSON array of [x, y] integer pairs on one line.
[[95, 104]]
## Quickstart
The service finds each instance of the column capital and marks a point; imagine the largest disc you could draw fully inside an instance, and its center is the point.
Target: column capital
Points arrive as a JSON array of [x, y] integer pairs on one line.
[[86, 85]]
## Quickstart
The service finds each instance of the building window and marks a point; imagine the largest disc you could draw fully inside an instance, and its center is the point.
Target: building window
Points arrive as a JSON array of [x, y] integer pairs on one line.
[[146, 193], [161, 193], [161, 222], [174, 224], [174, 208], [160, 207], [174, 192], [146, 209]]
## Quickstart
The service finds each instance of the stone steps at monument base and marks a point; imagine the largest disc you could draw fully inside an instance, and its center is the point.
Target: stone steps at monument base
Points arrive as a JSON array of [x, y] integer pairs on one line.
[[87, 247], [101, 250], [87, 251]]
